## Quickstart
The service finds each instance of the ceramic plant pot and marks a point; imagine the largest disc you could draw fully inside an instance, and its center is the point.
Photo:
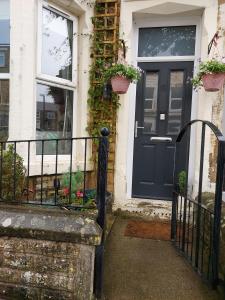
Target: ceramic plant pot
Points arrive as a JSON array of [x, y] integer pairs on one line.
[[120, 84], [213, 82]]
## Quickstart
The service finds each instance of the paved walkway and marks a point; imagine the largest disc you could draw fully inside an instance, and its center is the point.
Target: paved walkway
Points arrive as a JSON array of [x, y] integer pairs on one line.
[[144, 269]]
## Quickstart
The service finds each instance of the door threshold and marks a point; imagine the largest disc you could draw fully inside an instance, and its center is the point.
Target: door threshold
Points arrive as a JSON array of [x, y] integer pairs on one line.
[[143, 198], [153, 208]]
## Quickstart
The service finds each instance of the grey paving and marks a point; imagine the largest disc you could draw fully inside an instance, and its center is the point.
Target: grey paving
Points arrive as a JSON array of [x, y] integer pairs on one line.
[[144, 269]]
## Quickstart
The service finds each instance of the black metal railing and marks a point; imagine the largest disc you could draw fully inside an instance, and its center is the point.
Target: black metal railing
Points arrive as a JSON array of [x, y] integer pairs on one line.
[[41, 172], [193, 236], [195, 226], [56, 173], [37, 172]]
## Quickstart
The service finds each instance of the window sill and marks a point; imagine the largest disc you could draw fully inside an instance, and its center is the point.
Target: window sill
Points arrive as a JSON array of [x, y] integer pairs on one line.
[[58, 82]]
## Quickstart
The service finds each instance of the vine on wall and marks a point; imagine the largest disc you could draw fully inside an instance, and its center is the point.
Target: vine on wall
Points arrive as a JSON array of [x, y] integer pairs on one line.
[[104, 51], [102, 112]]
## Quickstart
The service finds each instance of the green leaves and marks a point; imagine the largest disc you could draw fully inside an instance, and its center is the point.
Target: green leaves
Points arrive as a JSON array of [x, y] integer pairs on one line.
[[13, 174], [104, 51], [182, 181], [208, 67], [77, 180], [128, 71]]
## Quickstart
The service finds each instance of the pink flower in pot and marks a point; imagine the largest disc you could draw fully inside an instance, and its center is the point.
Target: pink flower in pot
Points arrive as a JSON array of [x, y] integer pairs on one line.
[[79, 194], [66, 191]]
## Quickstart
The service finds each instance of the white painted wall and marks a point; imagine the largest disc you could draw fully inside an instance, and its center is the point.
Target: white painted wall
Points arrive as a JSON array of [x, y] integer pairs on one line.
[[24, 41], [23, 76], [207, 12]]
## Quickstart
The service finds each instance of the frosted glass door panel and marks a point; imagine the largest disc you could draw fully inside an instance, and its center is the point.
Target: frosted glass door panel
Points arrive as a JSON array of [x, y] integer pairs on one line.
[[150, 102], [175, 102], [167, 41]]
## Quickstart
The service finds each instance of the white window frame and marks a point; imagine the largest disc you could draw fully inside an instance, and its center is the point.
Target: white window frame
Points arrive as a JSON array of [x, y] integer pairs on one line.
[[49, 78], [160, 22], [56, 82]]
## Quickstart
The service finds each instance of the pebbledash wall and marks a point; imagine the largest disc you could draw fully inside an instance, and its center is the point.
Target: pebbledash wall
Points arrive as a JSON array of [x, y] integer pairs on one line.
[[209, 16]]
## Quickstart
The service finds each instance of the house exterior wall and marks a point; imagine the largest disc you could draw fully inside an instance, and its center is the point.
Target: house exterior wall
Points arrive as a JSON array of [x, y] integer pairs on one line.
[[206, 106], [24, 41], [24, 64]]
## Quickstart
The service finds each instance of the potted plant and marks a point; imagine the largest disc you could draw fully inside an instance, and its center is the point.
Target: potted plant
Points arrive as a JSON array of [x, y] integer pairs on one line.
[[121, 75], [211, 75], [12, 175]]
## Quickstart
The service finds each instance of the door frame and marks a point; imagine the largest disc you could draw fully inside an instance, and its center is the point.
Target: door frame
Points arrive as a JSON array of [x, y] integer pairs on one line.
[[160, 22]]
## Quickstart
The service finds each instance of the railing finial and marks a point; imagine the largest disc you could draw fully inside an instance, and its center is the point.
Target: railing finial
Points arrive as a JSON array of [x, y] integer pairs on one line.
[[105, 131]]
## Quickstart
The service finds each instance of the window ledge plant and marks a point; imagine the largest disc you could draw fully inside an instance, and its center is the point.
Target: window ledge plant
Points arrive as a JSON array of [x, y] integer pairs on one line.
[[121, 75], [211, 75]]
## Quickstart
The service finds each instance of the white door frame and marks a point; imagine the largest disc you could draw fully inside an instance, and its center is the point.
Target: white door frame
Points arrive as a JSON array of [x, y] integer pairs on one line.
[[161, 22]]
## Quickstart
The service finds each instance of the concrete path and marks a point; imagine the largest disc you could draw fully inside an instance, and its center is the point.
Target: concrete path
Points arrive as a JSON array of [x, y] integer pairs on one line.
[[144, 269]]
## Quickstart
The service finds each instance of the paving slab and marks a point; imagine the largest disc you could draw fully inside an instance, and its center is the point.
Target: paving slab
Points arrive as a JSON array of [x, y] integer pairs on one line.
[[145, 269]]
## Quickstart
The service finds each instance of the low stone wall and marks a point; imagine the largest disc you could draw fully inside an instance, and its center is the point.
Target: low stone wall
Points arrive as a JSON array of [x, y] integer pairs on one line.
[[46, 254]]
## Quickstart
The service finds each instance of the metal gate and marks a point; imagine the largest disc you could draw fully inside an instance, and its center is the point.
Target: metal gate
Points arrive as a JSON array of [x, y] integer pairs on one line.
[[196, 224]]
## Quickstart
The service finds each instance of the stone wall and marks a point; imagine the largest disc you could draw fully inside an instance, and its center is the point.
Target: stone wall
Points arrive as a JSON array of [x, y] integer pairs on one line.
[[45, 270], [46, 254]]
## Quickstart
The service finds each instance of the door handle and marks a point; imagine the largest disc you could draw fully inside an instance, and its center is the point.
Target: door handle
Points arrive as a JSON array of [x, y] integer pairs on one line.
[[136, 129], [161, 138]]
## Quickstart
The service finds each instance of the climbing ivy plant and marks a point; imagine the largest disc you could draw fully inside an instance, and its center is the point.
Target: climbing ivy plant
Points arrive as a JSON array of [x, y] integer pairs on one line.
[[102, 113]]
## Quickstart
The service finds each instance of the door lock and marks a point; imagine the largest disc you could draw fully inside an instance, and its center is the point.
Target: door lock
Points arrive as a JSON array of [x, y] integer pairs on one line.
[[136, 129]]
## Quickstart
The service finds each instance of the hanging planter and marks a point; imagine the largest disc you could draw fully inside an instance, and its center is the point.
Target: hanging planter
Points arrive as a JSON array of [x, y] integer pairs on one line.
[[120, 84], [213, 82], [211, 76], [121, 75]]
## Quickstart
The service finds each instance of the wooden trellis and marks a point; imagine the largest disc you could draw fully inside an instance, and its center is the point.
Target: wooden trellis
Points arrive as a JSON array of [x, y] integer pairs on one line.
[[105, 52], [106, 28]]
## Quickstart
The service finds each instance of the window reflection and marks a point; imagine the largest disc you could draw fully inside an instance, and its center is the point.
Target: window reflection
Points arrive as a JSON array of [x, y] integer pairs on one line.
[[175, 102], [150, 102], [4, 36], [57, 40], [4, 109], [54, 118], [167, 41]]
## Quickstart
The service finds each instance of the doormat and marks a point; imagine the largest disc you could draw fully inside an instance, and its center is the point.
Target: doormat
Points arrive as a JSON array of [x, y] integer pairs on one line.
[[148, 230]]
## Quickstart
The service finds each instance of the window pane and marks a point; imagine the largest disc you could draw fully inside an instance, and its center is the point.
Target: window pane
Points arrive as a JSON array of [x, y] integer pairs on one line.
[[4, 109], [150, 102], [167, 41], [175, 102], [54, 118], [4, 59], [4, 36], [57, 40]]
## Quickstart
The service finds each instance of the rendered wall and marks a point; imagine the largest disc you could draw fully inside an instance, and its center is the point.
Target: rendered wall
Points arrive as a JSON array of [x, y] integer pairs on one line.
[[206, 106]]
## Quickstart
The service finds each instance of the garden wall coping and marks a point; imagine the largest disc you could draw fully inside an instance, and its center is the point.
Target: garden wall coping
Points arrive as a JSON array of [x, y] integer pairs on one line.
[[49, 224]]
